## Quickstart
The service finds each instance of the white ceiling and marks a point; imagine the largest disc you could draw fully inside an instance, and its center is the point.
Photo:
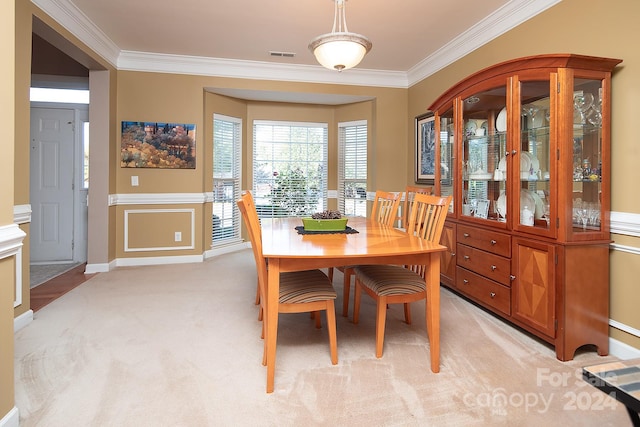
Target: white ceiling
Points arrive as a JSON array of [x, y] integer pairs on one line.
[[411, 38]]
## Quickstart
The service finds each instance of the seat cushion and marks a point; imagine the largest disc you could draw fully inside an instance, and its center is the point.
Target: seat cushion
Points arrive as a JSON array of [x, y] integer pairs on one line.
[[388, 280], [305, 286]]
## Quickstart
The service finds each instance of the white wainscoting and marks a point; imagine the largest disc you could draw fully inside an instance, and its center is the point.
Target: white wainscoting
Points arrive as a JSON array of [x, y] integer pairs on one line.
[[128, 213]]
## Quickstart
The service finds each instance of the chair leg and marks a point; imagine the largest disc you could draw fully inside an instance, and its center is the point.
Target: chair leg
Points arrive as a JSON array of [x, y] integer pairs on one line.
[[316, 314], [331, 327], [264, 346], [356, 301], [381, 318], [346, 293], [258, 294], [330, 274], [407, 313]]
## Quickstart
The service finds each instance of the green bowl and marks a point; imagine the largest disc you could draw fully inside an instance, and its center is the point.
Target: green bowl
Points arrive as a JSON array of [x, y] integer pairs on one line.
[[311, 224]]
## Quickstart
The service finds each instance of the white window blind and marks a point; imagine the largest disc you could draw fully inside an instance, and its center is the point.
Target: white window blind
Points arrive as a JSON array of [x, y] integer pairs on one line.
[[227, 150], [289, 168], [352, 168]]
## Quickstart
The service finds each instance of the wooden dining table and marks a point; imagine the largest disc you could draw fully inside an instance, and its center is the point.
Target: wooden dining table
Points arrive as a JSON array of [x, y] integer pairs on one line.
[[374, 243]]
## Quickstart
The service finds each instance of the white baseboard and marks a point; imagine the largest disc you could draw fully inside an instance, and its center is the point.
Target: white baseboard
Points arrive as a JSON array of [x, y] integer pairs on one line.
[[21, 321], [98, 268], [622, 351], [160, 260], [11, 419], [227, 249]]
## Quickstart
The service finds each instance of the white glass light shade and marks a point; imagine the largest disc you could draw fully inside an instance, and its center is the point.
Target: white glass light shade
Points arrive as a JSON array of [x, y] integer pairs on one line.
[[340, 51]]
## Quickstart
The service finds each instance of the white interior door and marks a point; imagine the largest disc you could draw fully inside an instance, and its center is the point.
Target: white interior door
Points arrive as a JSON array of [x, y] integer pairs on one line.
[[51, 190]]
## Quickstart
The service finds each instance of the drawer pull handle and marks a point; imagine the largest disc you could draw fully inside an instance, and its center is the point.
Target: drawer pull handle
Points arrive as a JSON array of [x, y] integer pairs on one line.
[[512, 277], [493, 268], [465, 281], [466, 235], [492, 295], [453, 254], [466, 257], [493, 242]]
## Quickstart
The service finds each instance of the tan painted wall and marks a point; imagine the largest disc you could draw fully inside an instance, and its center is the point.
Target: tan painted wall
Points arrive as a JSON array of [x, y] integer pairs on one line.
[[588, 27], [7, 275], [611, 31], [179, 98]]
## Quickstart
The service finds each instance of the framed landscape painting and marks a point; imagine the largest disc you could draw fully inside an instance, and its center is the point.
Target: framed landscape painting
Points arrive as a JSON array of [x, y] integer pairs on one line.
[[425, 149], [158, 145]]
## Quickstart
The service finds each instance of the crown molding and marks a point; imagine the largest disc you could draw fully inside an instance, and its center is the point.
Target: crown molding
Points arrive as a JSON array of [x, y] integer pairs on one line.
[[77, 23], [509, 16], [512, 14], [256, 70]]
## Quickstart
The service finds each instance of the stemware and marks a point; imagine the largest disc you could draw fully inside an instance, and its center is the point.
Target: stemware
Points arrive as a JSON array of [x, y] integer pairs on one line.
[[547, 213], [582, 102], [530, 110], [594, 117]]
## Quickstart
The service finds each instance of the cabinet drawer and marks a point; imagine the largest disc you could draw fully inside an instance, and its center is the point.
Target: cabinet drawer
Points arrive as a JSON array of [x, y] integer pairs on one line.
[[484, 263], [483, 290], [486, 240]]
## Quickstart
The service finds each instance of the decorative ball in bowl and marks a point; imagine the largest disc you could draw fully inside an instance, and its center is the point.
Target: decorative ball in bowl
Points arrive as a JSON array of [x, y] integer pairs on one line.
[[325, 221]]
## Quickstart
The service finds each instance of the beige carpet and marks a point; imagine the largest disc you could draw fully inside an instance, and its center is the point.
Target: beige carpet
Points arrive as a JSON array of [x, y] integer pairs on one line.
[[179, 345]]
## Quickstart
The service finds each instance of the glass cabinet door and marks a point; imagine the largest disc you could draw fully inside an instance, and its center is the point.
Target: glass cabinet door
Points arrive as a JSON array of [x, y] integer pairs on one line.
[[587, 156], [447, 154], [534, 194], [484, 166]]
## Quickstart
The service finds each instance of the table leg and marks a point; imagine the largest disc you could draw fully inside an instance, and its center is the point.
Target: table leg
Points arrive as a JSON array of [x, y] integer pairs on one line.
[[635, 419], [271, 317], [433, 309]]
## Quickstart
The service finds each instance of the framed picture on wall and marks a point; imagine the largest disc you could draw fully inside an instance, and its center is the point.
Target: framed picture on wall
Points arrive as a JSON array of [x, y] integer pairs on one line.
[[425, 149], [158, 145]]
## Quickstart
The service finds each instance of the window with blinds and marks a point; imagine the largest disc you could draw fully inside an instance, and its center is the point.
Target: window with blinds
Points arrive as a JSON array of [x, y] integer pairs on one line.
[[352, 168], [289, 168], [227, 143]]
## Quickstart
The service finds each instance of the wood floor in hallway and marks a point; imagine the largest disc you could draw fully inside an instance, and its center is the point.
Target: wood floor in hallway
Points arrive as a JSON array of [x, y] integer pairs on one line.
[[54, 288]]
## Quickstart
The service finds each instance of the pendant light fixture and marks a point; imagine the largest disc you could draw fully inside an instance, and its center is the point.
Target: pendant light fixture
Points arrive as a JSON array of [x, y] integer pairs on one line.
[[340, 49]]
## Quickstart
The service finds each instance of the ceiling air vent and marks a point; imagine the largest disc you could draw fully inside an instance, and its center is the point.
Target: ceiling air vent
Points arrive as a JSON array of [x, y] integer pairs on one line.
[[282, 54]]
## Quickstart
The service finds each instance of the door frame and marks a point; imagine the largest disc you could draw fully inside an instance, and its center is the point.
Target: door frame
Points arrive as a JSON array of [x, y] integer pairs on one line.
[[80, 195]]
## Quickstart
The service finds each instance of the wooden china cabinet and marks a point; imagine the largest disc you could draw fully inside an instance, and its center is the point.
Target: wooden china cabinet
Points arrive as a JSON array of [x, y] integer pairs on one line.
[[525, 151]]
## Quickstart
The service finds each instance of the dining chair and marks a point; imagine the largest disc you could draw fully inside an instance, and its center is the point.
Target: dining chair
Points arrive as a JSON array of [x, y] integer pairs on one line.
[[395, 284], [409, 192], [300, 291], [384, 210]]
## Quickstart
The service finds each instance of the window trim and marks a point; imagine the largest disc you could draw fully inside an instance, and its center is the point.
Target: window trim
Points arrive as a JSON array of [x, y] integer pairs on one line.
[[236, 236], [342, 129]]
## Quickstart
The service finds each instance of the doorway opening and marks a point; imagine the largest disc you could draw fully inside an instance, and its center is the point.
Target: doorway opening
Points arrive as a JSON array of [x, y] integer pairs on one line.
[[59, 168]]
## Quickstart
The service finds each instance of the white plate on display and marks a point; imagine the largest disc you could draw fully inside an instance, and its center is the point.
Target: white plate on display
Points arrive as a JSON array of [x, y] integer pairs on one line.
[[535, 164], [527, 198], [539, 212], [525, 161], [501, 205], [501, 120], [502, 164], [471, 127]]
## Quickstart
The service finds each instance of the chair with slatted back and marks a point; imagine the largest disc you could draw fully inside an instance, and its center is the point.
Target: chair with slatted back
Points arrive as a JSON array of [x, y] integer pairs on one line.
[[384, 210], [394, 284], [409, 192], [300, 291]]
